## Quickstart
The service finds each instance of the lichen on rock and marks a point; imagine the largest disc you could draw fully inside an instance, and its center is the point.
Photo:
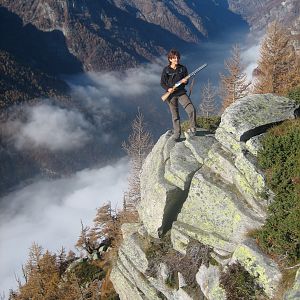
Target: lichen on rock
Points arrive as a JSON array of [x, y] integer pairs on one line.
[[264, 269]]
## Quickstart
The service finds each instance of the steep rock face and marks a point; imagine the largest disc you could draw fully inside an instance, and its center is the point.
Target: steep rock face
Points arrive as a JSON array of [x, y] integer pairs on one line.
[[259, 13], [206, 189], [118, 34]]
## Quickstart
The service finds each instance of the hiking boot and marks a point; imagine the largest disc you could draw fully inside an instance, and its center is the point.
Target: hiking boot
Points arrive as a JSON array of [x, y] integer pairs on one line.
[[190, 133]]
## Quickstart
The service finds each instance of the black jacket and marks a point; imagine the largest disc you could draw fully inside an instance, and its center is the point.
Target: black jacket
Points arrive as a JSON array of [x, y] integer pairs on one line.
[[170, 76]]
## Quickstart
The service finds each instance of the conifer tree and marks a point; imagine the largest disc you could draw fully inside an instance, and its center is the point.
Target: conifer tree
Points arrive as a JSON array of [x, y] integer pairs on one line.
[[207, 105], [62, 261], [42, 275], [138, 146], [88, 240], [71, 256], [234, 85], [70, 288], [278, 67], [103, 222]]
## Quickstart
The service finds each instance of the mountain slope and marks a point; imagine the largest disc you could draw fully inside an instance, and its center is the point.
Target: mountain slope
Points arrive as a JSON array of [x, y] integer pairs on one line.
[[118, 34], [259, 13], [20, 83]]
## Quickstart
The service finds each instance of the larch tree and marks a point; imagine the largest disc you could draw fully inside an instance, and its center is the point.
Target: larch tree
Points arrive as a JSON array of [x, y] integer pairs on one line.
[[278, 67], [105, 224], [62, 260], [207, 105], [42, 276], [137, 147], [89, 240], [70, 287], [234, 85]]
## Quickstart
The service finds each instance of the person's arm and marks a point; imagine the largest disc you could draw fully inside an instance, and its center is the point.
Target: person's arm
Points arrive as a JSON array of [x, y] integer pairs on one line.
[[164, 80], [185, 73]]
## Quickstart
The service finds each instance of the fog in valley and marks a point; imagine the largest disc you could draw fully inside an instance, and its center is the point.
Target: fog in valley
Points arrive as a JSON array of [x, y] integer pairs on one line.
[[49, 212]]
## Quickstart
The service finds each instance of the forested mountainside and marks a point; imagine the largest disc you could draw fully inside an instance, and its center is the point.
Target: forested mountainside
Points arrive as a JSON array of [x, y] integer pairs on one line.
[[20, 83], [118, 34], [30, 59]]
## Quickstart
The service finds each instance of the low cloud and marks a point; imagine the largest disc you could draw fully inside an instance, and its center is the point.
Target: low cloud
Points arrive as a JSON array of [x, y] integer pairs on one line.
[[114, 97], [250, 58], [114, 92], [132, 82], [49, 213], [49, 127]]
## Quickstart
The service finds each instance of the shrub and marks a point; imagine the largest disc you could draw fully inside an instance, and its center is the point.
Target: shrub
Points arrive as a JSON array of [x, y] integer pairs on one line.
[[161, 251], [238, 284], [87, 272], [209, 123], [280, 157], [295, 94]]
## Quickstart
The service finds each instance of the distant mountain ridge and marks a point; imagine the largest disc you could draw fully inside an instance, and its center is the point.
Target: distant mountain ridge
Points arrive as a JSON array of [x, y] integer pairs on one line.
[[117, 34], [259, 13]]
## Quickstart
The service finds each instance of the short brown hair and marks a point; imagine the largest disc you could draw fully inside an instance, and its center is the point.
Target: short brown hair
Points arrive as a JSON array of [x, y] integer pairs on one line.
[[172, 53]]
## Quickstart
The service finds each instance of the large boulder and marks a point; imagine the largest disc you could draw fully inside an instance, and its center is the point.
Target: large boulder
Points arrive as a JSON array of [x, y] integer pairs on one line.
[[181, 166], [237, 170], [251, 116], [215, 207], [159, 199], [208, 279]]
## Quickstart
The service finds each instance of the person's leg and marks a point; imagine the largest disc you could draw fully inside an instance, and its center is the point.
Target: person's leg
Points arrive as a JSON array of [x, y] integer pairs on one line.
[[173, 105], [188, 106]]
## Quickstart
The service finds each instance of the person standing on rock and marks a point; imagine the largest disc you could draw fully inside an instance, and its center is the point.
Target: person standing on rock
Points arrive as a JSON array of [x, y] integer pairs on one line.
[[171, 74]]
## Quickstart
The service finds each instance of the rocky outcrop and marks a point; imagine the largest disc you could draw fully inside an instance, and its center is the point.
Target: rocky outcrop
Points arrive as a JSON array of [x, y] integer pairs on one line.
[[207, 189]]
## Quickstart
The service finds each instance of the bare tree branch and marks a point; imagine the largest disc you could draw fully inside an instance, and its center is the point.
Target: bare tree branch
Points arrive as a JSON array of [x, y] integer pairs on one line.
[[234, 85]]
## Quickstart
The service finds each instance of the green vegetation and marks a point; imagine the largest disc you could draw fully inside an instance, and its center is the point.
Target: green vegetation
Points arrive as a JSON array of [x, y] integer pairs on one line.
[[239, 284], [295, 94], [280, 158], [210, 123], [87, 272]]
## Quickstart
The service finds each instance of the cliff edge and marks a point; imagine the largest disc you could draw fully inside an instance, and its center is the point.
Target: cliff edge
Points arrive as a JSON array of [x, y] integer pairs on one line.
[[202, 197]]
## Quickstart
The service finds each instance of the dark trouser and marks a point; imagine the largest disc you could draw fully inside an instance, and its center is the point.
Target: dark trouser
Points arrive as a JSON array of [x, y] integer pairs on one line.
[[188, 106]]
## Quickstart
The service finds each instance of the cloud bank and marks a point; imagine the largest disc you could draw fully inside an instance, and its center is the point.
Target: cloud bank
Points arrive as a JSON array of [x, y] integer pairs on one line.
[[115, 97], [49, 127], [49, 213]]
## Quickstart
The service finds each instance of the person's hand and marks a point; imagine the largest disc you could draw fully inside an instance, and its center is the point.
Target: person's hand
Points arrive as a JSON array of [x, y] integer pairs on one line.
[[184, 81], [170, 90]]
